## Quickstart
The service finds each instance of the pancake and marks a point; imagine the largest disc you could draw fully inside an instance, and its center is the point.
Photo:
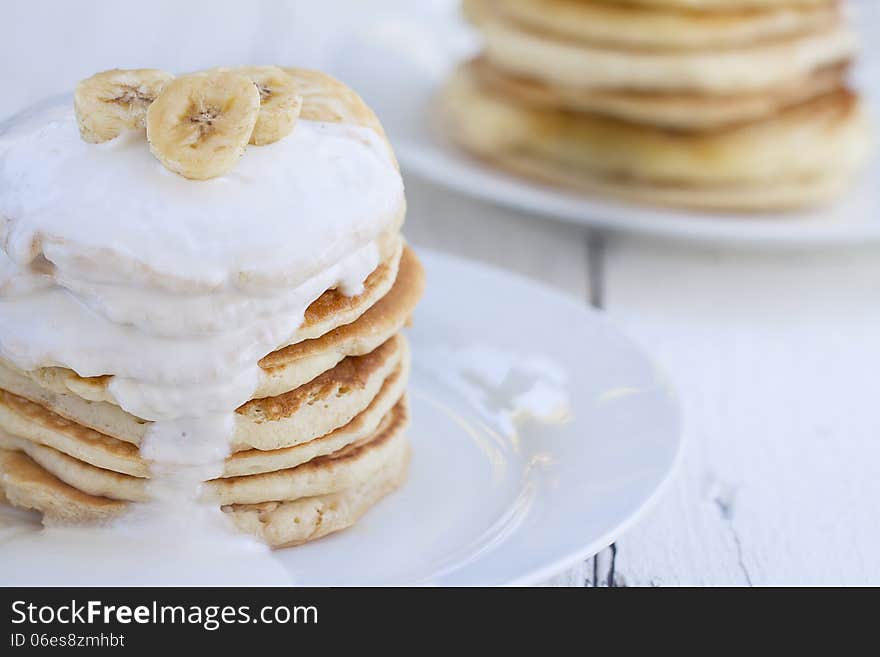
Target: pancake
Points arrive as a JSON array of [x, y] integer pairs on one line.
[[294, 365], [824, 139], [581, 65], [717, 5], [254, 461], [780, 196], [630, 27], [374, 327], [22, 419], [678, 111], [287, 524], [27, 485], [324, 403], [333, 308], [324, 100], [327, 99], [351, 466], [311, 410]]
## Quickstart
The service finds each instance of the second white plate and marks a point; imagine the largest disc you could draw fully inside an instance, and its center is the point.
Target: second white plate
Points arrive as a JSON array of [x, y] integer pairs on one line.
[[399, 60]]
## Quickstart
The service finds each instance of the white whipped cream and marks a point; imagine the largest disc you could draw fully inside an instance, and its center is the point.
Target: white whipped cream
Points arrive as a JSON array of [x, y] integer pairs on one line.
[[111, 265], [111, 212], [161, 376]]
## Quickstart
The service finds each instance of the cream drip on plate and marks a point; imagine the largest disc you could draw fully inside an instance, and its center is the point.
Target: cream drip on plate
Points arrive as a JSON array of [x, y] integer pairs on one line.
[[112, 265], [508, 389]]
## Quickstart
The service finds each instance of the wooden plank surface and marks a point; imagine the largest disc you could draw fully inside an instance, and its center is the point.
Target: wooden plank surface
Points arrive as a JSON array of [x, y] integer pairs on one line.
[[775, 356]]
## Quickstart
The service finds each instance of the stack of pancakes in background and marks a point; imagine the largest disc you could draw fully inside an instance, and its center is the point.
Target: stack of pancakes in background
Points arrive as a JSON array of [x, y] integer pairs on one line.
[[321, 442], [725, 104]]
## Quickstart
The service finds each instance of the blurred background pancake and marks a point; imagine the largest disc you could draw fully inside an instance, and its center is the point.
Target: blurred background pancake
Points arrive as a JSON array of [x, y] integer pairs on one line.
[[735, 106]]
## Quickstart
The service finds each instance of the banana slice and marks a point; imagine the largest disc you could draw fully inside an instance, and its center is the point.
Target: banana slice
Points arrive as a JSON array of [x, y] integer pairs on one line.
[[200, 124], [109, 103], [280, 104]]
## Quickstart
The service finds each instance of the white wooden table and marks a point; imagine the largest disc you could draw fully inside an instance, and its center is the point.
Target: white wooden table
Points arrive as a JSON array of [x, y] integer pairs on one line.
[[775, 355]]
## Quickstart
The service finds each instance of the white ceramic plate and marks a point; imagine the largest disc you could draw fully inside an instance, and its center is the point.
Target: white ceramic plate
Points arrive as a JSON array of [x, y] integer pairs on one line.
[[484, 509], [485, 506], [399, 60]]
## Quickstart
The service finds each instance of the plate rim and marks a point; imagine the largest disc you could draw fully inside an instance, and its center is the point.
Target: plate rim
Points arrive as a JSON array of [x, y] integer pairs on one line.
[[546, 571], [705, 229]]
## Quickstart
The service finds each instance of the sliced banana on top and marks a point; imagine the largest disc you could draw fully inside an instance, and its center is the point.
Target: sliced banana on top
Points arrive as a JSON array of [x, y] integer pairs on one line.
[[201, 123], [111, 102], [280, 104]]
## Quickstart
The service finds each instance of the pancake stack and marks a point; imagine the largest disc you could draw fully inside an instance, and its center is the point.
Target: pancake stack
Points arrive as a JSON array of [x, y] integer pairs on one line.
[[320, 442], [721, 104]]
